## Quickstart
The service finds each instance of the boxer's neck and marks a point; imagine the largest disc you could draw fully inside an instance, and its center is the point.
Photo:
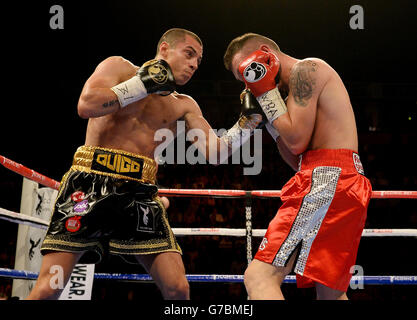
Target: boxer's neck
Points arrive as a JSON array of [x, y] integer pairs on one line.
[[287, 63]]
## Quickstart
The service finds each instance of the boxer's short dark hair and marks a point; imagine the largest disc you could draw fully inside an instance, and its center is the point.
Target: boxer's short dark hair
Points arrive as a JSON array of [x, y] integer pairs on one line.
[[239, 42], [172, 36]]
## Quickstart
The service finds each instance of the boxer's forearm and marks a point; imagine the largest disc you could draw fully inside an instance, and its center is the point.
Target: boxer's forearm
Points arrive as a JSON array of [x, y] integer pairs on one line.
[[97, 102], [292, 133], [223, 151], [214, 149], [287, 155]]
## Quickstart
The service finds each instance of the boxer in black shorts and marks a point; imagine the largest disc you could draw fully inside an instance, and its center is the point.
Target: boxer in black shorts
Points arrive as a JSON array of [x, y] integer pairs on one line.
[[108, 200]]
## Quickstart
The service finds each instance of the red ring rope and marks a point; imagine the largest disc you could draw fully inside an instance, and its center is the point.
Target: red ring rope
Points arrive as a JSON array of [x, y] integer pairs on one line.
[[43, 180], [29, 173]]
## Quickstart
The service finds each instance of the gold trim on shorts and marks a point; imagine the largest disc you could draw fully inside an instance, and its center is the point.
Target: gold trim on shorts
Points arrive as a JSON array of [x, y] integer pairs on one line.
[[166, 243], [84, 161], [63, 242]]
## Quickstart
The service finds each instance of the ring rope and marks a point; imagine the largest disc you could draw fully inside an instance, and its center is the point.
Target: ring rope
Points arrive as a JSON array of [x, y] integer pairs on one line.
[[370, 280], [43, 180], [39, 223], [21, 218]]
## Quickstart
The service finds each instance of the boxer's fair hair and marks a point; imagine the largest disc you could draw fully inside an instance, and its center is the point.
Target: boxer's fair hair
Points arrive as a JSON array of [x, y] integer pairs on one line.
[[238, 43], [175, 35]]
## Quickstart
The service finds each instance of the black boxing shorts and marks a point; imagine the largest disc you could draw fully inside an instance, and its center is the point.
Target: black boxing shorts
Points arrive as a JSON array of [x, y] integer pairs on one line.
[[108, 203]]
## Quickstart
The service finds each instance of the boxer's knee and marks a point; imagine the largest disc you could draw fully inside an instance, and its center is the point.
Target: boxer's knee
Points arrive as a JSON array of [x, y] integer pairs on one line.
[[262, 277], [325, 293], [177, 289], [249, 279], [254, 277]]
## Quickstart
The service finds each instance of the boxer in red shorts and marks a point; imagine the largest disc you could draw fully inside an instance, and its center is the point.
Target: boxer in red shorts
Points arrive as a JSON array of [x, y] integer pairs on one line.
[[317, 230]]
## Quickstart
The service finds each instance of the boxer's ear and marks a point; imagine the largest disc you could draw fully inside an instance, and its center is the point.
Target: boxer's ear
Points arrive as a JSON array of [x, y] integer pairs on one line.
[[265, 48], [163, 49]]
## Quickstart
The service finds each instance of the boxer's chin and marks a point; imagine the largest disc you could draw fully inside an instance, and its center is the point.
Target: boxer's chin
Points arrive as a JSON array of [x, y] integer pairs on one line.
[[182, 79]]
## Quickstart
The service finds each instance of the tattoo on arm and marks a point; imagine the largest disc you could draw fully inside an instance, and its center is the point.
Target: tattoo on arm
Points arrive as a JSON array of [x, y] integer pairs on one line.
[[302, 81], [110, 103]]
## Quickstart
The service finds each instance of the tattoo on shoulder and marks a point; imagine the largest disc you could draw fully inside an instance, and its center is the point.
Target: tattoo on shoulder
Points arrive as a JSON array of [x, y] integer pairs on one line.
[[110, 103], [302, 81]]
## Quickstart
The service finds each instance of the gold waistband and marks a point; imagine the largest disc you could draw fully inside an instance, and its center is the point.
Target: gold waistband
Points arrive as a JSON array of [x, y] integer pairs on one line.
[[115, 163]]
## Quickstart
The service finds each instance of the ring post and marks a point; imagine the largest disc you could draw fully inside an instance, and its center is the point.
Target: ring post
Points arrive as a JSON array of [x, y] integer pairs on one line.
[[248, 209]]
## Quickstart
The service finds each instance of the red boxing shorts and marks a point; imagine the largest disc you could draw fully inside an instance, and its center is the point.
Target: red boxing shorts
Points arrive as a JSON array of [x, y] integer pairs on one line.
[[323, 214]]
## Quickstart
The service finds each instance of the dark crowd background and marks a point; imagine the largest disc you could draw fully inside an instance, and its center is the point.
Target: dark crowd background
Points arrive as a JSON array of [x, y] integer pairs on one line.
[[41, 128]]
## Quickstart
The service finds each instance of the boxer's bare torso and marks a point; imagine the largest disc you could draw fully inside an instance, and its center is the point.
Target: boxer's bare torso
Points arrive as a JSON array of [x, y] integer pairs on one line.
[[333, 126]]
